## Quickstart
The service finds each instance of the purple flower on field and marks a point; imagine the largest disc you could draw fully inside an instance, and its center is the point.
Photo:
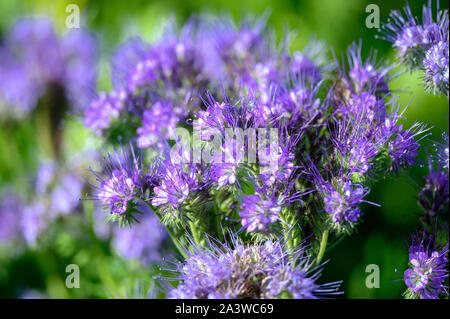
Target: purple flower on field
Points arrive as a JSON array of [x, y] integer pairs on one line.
[[122, 181], [403, 149], [277, 164], [342, 204], [17, 87], [105, 108], [126, 57], [258, 211], [297, 105], [302, 64], [236, 270], [79, 51], [157, 123], [428, 270], [224, 173], [341, 198], [44, 178], [117, 191], [175, 186]]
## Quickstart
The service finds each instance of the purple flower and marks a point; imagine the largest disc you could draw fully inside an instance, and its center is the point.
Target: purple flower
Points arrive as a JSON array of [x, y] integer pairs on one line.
[[122, 181], [366, 75], [236, 270], [302, 64], [403, 149], [126, 57], [429, 269], [175, 186], [258, 211], [436, 67], [297, 105], [342, 204], [341, 198], [79, 51], [157, 123], [101, 111]]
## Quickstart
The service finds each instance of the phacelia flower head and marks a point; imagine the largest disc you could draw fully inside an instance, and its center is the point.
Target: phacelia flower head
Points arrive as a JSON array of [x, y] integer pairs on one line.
[[422, 44], [121, 184], [158, 123], [103, 109], [238, 270], [258, 211], [367, 75], [33, 222], [428, 270], [436, 67], [177, 182], [343, 203], [341, 197]]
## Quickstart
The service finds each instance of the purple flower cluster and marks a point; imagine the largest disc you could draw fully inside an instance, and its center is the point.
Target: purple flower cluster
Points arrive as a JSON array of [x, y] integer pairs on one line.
[[236, 132], [422, 44], [34, 59], [121, 181], [151, 86], [258, 211], [237, 270], [429, 269], [350, 132]]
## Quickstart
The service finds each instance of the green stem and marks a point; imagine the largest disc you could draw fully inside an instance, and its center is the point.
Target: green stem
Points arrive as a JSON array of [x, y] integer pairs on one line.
[[323, 246]]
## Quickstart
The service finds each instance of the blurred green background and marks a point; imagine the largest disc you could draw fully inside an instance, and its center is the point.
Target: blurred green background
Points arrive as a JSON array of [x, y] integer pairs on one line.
[[379, 240]]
